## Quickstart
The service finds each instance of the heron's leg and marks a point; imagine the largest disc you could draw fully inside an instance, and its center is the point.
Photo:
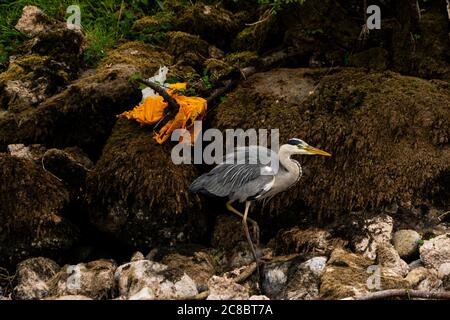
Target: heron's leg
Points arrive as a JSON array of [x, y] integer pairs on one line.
[[247, 234], [253, 222]]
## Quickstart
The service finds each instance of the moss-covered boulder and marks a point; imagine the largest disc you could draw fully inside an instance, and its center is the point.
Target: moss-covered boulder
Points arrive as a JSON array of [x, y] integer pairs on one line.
[[139, 195], [32, 203], [265, 33], [71, 166], [431, 53], [345, 275], [33, 276], [44, 64], [187, 49], [211, 22], [327, 30], [389, 134]]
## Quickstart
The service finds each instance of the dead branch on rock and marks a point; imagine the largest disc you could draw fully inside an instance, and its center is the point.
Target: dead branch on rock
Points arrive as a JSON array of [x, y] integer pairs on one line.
[[265, 16], [402, 293], [200, 296], [264, 63], [246, 273], [173, 105]]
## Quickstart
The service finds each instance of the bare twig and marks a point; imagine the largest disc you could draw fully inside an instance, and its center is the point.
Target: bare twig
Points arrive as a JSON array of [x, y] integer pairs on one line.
[[443, 215], [246, 273], [399, 293], [266, 15], [200, 296], [43, 167]]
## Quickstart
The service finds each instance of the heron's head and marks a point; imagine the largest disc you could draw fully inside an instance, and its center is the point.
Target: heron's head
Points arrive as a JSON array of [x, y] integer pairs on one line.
[[298, 146]]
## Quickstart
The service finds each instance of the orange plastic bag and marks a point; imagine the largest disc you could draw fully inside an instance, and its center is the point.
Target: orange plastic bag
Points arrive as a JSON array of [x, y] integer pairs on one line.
[[152, 110]]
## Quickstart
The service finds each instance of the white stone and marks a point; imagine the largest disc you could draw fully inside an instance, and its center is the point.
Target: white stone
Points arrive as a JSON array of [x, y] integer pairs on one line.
[[145, 279], [444, 270], [32, 22], [379, 230], [222, 288], [260, 297], [145, 294], [316, 265], [406, 242], [436, 251]]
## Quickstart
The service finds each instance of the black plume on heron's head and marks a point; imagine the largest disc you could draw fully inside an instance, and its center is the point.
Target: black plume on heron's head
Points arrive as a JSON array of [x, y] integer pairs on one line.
[[296, 142]]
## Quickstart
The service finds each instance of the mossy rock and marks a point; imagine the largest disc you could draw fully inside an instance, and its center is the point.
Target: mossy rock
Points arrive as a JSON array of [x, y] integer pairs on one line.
[[242, 59], [30, 79], [261, 35], [211, 22], [70, 166], [23, 67], [345, 275], [32, 203], [145, 58], [325, 29], [84, 113], [381, 129], [218, 69], [152, 29], [43, 66], [139, 196], [145, 23], [432, 55], [373, 59], [187, 48], [62, 44]]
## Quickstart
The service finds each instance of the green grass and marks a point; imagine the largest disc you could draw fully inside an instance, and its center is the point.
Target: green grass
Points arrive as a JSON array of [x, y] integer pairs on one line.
[[276, 5], [105, 22]]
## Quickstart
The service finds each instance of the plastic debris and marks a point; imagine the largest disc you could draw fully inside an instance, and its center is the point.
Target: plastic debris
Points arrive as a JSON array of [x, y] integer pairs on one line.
[[151, 109]]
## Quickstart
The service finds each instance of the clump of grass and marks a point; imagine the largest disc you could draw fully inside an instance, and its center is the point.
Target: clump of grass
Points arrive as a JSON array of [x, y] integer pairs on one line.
[[276, 5], [106, 22]]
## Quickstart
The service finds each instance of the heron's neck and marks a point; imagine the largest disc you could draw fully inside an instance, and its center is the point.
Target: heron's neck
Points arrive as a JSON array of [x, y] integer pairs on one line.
[[290, 165]]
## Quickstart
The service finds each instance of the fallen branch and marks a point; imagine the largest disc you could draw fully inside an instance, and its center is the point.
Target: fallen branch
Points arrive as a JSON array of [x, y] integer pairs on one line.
[[399, 293], [173, 105], [264, 63], [246, 273], [200, 296]]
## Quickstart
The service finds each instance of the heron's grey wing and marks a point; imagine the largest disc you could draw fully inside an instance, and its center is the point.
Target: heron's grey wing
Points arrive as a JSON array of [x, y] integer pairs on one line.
[[243, 175], [235, 181], [238, 181], [250, 155]]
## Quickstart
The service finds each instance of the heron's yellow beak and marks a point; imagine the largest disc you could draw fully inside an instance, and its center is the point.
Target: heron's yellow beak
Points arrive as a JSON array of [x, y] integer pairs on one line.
[[312, 150]]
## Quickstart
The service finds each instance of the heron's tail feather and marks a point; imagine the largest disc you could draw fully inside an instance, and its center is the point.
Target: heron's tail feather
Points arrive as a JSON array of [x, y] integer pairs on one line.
[[202, 185], [198, 185]]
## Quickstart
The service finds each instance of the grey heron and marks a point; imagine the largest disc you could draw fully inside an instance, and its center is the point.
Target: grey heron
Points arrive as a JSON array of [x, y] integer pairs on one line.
[[242, 176]]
